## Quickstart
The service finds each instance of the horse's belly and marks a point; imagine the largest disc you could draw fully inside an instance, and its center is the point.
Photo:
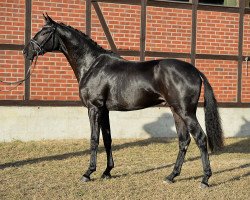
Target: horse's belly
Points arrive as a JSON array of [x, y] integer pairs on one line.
[[133, 102]]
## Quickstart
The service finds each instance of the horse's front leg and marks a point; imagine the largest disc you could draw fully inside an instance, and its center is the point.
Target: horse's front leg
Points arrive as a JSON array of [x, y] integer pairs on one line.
[[95, 124]]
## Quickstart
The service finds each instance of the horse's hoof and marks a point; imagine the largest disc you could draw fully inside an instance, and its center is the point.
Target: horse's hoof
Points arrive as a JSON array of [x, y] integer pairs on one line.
[[168, 181], [106, 176], [204, 185], [85, 179]]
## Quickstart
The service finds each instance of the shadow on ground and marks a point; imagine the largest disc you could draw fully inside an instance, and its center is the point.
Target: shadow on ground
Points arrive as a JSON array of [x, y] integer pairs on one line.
[[64, 156], [242, 146], [239, 147], [222, 171]]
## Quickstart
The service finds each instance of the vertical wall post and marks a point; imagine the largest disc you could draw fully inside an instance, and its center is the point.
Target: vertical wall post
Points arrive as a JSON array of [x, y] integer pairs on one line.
[[88, 17], [240, 48], [28, 6], [104, 26], [194, 29], [143, 29]]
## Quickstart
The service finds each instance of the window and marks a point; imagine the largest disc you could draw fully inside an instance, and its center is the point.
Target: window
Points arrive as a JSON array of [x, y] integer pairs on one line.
[[247, 3], [235, 3], [204, 1], [178, 0], [220, 2], [231, 3]]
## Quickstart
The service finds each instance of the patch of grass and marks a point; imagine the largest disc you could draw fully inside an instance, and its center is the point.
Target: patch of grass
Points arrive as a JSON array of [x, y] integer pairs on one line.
[[52, 170]]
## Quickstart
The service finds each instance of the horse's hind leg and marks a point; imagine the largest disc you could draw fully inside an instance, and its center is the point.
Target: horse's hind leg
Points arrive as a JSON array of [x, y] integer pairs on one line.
[[201, 140], [184, 140], [106, 134]]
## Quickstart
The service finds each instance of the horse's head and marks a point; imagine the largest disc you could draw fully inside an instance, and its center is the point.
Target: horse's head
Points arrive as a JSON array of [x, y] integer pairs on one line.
[[45, 40]]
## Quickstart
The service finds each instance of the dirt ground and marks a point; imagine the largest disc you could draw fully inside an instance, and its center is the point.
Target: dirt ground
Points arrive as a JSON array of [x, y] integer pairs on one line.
[[52, 170]]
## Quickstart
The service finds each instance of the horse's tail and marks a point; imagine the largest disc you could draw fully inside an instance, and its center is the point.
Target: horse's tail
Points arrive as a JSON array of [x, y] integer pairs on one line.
[[212, 117]]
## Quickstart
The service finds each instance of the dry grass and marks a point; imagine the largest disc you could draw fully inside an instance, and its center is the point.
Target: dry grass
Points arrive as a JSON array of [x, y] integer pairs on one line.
[[52, 169]]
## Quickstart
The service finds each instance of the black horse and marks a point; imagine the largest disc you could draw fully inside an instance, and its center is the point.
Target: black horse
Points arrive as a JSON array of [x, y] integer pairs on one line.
[[109, 82]]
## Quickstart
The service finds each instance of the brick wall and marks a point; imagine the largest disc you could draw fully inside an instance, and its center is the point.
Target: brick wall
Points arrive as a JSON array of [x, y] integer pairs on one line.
[[217, 33], [11, 69], [222, 74], [246, 52], [124, 25], [168, 30], [54, 78], [11, 32], [12, 21]]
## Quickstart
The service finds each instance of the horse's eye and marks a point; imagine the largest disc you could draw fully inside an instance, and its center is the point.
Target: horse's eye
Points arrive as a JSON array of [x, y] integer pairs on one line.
[[45, 33]]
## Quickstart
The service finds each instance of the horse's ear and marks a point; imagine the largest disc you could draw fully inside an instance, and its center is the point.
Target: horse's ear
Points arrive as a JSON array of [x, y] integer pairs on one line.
[[45, 19], [48, 20]]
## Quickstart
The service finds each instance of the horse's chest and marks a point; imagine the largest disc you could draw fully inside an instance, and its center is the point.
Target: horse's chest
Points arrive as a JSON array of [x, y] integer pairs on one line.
[[91, 93]]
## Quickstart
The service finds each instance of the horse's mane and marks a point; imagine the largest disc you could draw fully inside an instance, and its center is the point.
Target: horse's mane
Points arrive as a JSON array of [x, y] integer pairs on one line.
[[97, 46]]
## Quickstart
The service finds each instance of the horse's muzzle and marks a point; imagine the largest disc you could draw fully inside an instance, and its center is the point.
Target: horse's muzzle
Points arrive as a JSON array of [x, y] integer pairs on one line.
[[28, 54]]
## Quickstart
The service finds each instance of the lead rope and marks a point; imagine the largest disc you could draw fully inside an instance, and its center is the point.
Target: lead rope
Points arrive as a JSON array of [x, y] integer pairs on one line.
[[17, 83]]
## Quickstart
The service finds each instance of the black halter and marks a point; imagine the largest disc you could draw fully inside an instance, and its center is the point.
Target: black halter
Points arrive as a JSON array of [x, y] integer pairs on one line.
[[39, 51]]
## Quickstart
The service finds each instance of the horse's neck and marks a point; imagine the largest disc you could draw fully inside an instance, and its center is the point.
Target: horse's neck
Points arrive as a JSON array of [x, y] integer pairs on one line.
[[79, 52]]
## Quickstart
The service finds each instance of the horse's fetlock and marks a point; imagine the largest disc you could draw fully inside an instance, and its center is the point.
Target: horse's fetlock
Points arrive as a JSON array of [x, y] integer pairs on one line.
[[92, 169], [176, 172], [208, 173]]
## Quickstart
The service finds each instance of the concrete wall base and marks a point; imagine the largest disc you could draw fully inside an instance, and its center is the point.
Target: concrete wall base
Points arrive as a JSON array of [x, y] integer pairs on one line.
[[37, 123]]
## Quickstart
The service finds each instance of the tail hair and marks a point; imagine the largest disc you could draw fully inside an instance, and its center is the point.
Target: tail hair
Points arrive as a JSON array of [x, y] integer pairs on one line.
[[212, 117]]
